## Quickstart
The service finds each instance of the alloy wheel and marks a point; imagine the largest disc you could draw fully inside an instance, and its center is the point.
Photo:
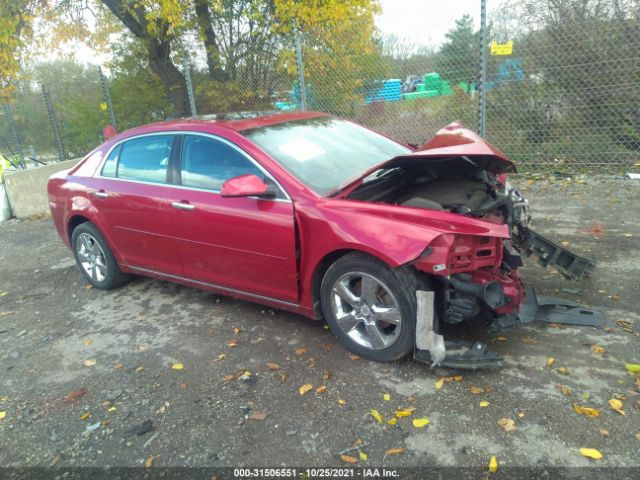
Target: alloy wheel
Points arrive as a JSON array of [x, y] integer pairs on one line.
[[366, 310], [91, 257]]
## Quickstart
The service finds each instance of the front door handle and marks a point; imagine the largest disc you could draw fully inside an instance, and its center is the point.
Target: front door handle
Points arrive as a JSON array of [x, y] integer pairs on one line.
[[100, 194], [182, 205]]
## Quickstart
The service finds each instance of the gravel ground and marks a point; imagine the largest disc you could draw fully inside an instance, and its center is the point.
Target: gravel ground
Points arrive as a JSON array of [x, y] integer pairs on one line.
[[73, 359]]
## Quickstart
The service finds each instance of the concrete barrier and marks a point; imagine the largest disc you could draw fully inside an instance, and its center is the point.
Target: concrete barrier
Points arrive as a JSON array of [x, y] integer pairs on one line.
[[27, 189]]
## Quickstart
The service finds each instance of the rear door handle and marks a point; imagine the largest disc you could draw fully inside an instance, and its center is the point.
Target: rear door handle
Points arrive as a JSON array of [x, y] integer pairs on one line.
[[182, 205], [100, 194]]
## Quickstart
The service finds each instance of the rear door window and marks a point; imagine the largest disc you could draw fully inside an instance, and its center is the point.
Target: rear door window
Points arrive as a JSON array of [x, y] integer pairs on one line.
[[207, 163], [146, 158]]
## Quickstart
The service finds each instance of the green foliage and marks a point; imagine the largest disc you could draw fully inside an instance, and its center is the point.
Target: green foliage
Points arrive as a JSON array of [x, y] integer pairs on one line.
[[458, 60]]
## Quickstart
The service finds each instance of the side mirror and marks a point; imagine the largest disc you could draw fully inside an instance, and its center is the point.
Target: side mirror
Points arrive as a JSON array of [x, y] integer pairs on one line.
[[248, 185]]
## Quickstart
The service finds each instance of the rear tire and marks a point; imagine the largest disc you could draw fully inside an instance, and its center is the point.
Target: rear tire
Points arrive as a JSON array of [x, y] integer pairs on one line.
[[94, 257], [369, 307]]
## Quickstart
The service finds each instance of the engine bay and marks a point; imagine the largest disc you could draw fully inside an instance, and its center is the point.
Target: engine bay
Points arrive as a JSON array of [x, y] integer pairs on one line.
[[458, 185]]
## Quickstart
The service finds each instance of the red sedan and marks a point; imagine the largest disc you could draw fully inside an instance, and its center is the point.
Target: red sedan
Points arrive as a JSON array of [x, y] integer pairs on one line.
[[308, 213]]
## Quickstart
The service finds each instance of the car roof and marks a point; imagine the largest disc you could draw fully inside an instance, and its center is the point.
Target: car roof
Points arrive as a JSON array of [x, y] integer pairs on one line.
[[232, 121]]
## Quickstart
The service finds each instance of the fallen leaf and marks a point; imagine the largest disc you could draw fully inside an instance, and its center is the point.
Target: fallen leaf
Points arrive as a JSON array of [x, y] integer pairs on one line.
[[500, 339], [563, 370], [2, 415], [616, 405], [529, 340], [140, 369], [321, 389], [363, 456], [85, 415], [118, 366], [405, 412], [88, 287], [236, 330], [591, 453], [305, 388], [111, 409], [597, 348], [507, 424], [90, 363], [283, 377], [588, 411], [477, 390], [375, 414], [177, 366], [386, 397], [258, 416], [392, 421], [439, 383], [327, 347], [73, 396], [348, 459], [420, 422], [493, 464], [484, 403], [299, 351], [228, 378], [394, 451], [221, 357], [342, 402], [87, 342], [615, 296], [566, 390], [149, 461], [354, 357], [233, 343], [521, 414], [604, 433], [273, 366], [550, 361], [638, 435], [326, 375], [2, 294], [632, 367]]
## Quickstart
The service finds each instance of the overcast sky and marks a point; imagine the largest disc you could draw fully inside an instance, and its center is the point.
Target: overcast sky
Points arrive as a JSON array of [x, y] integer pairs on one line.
[[425, 22]]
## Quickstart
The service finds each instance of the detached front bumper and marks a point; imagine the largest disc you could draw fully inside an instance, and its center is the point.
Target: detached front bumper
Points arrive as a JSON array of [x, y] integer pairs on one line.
[[433, 349]]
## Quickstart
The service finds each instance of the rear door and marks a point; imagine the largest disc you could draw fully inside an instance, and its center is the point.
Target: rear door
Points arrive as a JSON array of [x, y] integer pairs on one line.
[[134, 200], [245, 244]]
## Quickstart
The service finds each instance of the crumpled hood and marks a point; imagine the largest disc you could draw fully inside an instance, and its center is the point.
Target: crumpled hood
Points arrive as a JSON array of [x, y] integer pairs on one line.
[[455, 140], [449, 144]]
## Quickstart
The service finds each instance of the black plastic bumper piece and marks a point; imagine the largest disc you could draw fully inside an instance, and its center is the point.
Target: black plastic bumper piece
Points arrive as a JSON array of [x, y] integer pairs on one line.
[[464, 355], [550, 254], [558, 310]]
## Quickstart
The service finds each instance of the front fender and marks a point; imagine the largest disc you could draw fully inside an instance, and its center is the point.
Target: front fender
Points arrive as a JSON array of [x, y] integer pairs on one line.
[[396, 235]]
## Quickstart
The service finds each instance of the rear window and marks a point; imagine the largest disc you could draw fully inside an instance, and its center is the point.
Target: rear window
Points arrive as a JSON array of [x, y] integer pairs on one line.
[[146, 158]]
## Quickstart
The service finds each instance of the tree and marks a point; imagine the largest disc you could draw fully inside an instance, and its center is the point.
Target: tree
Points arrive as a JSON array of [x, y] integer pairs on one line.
[[341, 58], [458, 58], [156, 24], [16, 18]]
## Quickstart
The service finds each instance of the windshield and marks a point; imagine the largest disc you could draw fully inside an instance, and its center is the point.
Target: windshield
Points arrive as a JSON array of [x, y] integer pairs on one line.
[[324, 152]]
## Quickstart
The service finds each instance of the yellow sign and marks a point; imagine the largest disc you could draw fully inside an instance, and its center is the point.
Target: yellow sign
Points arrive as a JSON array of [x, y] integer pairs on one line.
[[502, 48], [103, 105]]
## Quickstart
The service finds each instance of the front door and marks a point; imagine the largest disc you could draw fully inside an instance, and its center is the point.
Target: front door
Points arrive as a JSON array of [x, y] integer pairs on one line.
[[245, 244]]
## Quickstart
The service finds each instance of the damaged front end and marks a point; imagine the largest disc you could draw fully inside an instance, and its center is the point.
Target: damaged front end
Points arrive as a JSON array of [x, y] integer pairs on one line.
[[473, 276]]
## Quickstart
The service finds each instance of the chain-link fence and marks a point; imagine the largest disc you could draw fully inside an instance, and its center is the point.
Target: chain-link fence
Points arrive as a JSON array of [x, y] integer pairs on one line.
[[553, 83]]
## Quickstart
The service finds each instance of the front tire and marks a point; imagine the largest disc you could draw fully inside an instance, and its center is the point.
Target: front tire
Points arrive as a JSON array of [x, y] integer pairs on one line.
[[94, 257], [369, 307]]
